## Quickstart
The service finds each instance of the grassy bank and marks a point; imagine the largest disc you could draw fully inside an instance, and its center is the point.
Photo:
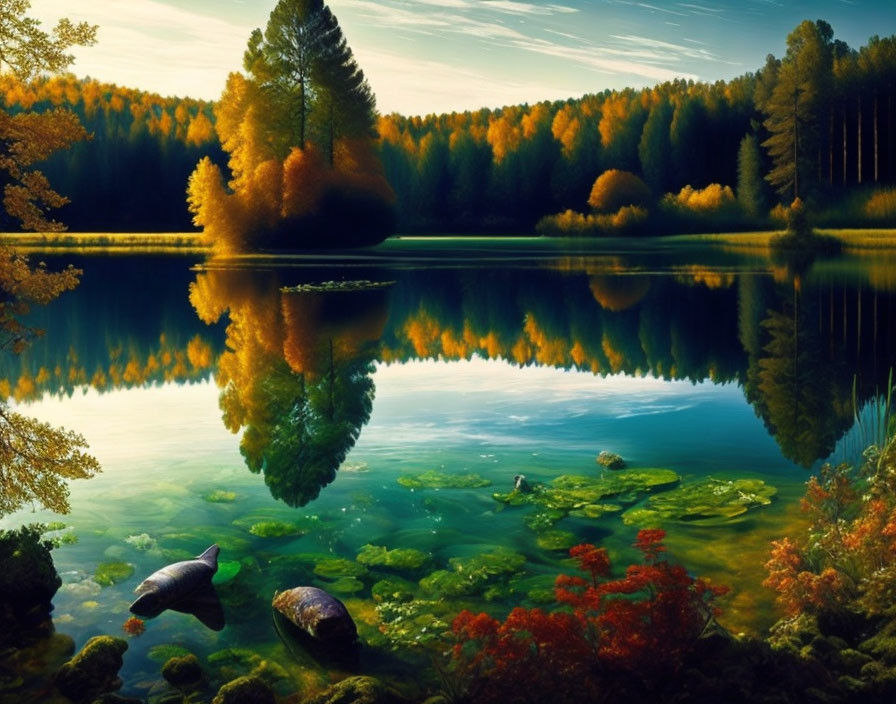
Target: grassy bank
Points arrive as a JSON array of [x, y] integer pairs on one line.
[[105, 241], [852, 239]]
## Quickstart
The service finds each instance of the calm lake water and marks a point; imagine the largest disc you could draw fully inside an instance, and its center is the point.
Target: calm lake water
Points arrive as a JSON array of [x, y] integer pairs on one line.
[[277, 424]]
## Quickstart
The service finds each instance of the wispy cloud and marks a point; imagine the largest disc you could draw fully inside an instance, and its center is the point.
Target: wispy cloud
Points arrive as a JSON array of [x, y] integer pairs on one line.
[[526, 8]]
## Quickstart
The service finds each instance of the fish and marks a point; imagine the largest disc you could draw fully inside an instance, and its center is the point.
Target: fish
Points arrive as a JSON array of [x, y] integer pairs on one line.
[[183, 586]]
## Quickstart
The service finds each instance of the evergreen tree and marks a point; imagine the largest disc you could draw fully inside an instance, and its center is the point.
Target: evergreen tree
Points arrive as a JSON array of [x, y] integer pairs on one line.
[[750, 183]]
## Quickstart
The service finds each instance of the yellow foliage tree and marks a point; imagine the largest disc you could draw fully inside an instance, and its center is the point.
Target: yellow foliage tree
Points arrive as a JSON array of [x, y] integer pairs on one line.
[[615, 189]]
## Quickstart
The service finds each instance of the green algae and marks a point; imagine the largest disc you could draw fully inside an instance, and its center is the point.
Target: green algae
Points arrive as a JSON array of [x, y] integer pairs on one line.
[[556, 540], [442, 480], [337, 567], [471, 575], [595, 510], [220, 496], [705, 502], [163, 652], [345, 585], [399, 558], [541, 521], [112, 572], [570, 492], [279, 529], [393, 589], [415, 624]]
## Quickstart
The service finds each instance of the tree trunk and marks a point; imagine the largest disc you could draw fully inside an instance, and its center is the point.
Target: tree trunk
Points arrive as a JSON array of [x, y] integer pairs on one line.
[[875, 136], [859, 137], [831, 146], [844, 144]]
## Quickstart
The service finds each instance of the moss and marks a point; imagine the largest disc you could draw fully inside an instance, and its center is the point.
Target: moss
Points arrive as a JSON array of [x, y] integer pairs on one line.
[[345, 585], [556, 540], [392, 589], [336, 567], [279, 529], [245, 690], [595, 510], [470, 575], [94, 670], [183, 672], [706, 502], [399, 558], [541, 521], [112, 572], [442, 480], [570, 492], [500, 561], [219, 496], [227, 570], [165, 651], [450, 583], [416, 623]]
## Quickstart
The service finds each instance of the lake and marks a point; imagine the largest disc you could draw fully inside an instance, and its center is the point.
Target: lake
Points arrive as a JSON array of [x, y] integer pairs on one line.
[[295, 427]]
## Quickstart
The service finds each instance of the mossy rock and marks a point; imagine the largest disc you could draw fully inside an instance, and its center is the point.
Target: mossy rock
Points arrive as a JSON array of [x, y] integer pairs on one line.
[[705, 502], [279, 529], [610, 460], [500, 561], [442, 480], [416, 623], [219, 496], [94, 670], [28, 577], [541, 521], [183, 672], [393, 589], [399, 558], [112, 572], [451, 583], [556, 540], [245, 690], [336, 567], [359, 689]]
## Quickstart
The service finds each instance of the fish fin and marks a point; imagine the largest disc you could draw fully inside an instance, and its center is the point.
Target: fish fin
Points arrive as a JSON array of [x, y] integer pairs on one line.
[[204, 605], [210, 556]]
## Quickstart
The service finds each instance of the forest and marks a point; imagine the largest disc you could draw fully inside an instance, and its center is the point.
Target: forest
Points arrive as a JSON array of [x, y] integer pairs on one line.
[[681, 156]]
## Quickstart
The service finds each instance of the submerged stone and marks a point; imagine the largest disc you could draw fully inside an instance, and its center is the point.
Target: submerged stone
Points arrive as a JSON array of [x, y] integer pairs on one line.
[[316, 612], [705, 502], [94, 670], [610, 460], [245, 690], [356, 690], [556, 540], [399, 558], [442, 480], [112, 572]]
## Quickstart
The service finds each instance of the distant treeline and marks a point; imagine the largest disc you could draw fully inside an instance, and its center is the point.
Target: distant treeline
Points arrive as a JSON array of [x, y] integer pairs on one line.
[[132, 175], [817, 123]]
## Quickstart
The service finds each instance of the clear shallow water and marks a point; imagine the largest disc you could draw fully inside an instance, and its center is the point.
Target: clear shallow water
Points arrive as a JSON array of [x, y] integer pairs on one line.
[[536, 408]]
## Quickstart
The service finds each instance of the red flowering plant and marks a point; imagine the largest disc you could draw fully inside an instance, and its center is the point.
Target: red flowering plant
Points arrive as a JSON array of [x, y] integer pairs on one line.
[[643, 623]]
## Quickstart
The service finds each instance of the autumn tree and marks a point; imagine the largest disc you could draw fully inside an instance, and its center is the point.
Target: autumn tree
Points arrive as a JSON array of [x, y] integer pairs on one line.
[[35, 458], [615, 189], [304, 97]]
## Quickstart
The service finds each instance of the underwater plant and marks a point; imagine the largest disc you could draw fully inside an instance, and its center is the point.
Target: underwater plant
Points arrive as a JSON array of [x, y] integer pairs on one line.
[[641, 625], [134, 626]]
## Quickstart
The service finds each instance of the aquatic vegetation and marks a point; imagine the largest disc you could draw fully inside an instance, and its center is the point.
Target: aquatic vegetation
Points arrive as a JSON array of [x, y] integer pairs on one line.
[[470, 575], [220, 496], [555, 540], [705, 502], [142, 542], [245, 689], [541, 521], [134, 626], [227, 570], [399, 558], [570, 492], [112, 572], [414, 624], [393, 589], [336, 567], [165, 651], [433, 479], [94, 670], [643, 623], [278, 529], [345, 585]]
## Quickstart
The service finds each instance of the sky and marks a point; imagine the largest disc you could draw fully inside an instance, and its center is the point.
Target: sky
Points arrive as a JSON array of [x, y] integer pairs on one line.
[[423, 56]]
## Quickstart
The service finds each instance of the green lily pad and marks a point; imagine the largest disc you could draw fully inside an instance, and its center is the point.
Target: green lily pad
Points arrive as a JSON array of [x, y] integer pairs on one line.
[[706, 502], [219, 496], [442, 480], [336, 567], [556, 540], [113, 572], [399, 558], [227, 570]]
